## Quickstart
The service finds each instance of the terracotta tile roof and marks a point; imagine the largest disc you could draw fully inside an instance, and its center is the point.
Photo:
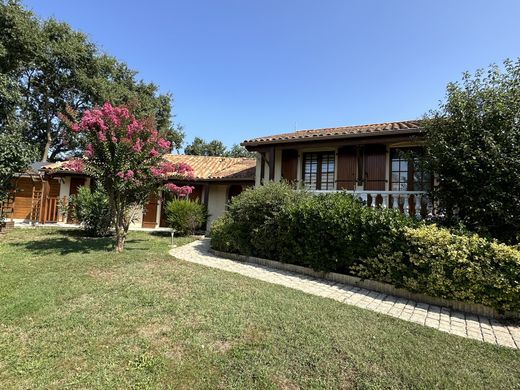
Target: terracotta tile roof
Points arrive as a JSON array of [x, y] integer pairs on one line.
[[404, 127], [56, 167], [204, 167], [217, 168]]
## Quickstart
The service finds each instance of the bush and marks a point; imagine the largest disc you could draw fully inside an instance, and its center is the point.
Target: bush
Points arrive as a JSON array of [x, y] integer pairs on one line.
[[223, 234], [185, 216], [256, 208], [92, 210], [335, 232], [437, 262], [472, 146]]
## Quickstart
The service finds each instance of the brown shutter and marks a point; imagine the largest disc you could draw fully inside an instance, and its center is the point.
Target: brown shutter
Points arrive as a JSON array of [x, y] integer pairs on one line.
[[290, 165], [375, 167], [347, 165]]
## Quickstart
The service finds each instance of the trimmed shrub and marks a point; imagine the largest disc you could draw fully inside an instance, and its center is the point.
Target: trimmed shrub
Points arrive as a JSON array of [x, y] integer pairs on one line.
[[255, 208], [92, 210], [223, 234], [185, 216], [336, 232], [437, 262]]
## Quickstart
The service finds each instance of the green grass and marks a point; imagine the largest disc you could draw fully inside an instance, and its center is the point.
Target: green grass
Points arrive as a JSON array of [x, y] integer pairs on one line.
[[75, 315]]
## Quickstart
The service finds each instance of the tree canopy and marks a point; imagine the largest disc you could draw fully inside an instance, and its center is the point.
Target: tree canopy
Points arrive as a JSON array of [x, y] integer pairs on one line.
[[45, 66], [199, 147], [125, 155], [473, 146]]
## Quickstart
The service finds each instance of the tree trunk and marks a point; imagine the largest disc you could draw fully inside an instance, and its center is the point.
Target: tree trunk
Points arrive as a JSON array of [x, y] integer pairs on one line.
[[120, 239], [48, 143], [122, 224]]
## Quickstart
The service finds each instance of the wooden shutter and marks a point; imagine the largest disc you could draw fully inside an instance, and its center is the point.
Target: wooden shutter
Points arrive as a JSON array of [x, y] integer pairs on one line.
[[375, 167], [347, 167], [290, 165]]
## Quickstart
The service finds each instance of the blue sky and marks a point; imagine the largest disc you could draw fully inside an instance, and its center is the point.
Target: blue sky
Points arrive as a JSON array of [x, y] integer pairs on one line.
[[240, 69]]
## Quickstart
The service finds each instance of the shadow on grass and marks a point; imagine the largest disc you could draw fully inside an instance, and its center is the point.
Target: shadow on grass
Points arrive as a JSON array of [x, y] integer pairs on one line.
[[71, 241]]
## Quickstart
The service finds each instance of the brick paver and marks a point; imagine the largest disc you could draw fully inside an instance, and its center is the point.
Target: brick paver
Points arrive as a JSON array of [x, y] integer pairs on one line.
[[441, 318]]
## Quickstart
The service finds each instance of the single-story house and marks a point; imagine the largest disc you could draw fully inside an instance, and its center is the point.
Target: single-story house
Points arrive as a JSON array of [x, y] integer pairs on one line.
[[377, 162], [42, 190]]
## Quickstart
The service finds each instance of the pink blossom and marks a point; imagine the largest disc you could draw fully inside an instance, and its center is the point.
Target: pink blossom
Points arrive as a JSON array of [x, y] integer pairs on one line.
[[166, 168], [183, 169], [75, 128], [75, 165], [182, 192], [89, 151], [129, 174], [101, 136], [138, 146], [154, 153], [133, 127], [163, 144], [154, 134]]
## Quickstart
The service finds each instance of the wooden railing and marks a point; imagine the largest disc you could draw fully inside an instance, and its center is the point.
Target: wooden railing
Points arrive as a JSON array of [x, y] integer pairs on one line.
[[50, 209], [413, 203]]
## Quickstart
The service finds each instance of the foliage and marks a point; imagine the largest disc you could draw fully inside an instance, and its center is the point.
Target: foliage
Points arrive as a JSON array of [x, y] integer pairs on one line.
[[224, 233], [337, 233], [435, 261], [239, 151], [15, 157], [199, 147], [125, 155], [254, 208], [45, 65], [185, 216], [472, 144], [92, 210]]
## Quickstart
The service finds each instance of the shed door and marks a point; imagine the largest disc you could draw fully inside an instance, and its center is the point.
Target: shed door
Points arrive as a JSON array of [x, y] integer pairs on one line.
[[150, 212], [375, 167]]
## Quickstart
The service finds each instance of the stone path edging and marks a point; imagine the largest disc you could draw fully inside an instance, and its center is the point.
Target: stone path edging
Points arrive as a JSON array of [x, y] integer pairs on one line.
[[471, 308], [445, 319]]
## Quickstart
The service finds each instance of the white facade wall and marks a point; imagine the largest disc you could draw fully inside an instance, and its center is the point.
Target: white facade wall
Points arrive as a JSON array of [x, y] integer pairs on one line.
[[217, 201]]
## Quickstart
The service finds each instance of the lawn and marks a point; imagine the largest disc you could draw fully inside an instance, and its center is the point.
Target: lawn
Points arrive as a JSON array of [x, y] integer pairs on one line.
[[75, 315]]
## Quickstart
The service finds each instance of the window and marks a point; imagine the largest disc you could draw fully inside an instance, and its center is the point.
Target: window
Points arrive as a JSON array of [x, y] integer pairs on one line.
[[406, 174], [318, 170]]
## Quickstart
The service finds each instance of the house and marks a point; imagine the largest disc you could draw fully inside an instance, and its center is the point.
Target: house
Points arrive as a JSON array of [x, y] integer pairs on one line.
[[377, 162], [215, 180], [36, 196], [44, 188]]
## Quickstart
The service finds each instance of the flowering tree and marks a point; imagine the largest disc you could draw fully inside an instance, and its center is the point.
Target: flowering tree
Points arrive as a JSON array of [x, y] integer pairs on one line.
[[125, 155]]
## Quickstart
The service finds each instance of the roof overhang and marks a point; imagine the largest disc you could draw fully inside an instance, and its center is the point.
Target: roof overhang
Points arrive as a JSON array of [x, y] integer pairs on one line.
[[380, 136]]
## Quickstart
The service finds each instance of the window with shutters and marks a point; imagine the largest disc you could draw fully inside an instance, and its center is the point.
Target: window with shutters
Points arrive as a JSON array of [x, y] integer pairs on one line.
[[406, 173], [318, 170]]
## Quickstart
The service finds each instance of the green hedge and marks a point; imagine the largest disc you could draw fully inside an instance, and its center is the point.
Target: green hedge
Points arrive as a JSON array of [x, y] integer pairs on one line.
[[336, 232], [185, 216], [92, 210]]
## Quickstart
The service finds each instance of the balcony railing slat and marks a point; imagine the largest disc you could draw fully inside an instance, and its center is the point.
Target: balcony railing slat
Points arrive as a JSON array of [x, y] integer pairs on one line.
[[414, 203]]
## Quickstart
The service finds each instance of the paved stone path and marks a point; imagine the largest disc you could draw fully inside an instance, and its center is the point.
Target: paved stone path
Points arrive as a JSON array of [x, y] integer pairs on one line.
[[441, 318]]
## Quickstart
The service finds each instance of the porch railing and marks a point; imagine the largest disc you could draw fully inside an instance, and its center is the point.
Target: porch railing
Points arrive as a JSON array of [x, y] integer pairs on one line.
[[413, 203]]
